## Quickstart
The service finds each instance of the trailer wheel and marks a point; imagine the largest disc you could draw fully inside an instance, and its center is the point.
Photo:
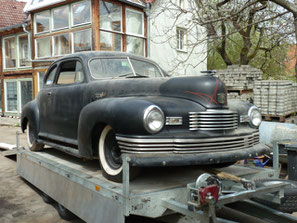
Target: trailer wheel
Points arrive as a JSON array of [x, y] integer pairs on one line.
[[110, 157], [289, 203], [47, 199], [65, 213], [31, 138]]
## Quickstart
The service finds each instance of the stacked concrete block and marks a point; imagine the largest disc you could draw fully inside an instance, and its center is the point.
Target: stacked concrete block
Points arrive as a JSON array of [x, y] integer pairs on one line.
[[275, 98], [239, 77]]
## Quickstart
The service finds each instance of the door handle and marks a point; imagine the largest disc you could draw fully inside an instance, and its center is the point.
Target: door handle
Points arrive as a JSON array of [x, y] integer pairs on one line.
[[49, 93]]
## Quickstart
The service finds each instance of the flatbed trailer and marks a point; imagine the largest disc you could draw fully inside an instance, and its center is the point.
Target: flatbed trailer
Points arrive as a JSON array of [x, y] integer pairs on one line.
[[164, 193]]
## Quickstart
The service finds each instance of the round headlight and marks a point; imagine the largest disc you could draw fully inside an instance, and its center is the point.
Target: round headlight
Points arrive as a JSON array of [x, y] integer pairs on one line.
[[255, 117], [153, 119]]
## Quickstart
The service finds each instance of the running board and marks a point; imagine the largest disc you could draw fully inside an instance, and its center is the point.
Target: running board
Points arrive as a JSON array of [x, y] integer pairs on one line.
[[64, 149]]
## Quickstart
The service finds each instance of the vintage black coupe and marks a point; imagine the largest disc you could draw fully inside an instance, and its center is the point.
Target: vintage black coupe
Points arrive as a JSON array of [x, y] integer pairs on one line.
[[99, 105]]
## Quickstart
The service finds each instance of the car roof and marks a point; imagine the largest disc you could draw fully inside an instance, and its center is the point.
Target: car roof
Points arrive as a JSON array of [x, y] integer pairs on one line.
[[86, 55]]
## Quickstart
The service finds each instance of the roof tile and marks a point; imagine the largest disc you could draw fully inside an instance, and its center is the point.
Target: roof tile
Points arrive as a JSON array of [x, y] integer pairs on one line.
[[11, 13]]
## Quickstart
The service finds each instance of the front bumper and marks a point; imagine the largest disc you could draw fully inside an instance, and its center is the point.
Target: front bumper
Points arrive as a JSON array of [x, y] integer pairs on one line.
[[191, 151]]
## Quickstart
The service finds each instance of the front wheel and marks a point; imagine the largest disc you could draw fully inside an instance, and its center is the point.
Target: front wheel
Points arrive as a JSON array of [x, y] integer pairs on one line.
[[110, 157], [31, 138]]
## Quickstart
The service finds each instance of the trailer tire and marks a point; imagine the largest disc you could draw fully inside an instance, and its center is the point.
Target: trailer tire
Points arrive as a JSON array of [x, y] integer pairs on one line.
[[65, 213], [31, 138], [289, 203], [47, 199], [110, 157]]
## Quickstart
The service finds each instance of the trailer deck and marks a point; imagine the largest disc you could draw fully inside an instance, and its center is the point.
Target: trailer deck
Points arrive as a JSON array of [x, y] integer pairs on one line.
[[80, 187]]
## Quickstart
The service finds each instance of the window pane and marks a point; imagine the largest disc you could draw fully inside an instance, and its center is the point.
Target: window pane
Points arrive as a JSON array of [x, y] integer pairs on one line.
[[41, 75], [10, 52], [134, 22], [61, 17], [61, 44], [51, 77], [145, 68], [81, 12], [135, 45], [43, 47], [12, 99], [181, 39], [23, 54], [110, 16], [42, 22], [104, 68], [26, 92], [110, 41], [82, 41]]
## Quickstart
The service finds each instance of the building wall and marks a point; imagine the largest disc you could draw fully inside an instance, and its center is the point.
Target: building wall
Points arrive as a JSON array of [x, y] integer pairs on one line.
[[165, 19]]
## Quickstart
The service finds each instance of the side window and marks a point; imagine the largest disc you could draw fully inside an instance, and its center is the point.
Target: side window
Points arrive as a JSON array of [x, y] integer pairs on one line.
[[71, 72], [50, 77]]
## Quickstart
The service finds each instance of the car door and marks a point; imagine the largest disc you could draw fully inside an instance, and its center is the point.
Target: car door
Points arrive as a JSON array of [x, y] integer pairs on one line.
[[68, 102], [45, 103]]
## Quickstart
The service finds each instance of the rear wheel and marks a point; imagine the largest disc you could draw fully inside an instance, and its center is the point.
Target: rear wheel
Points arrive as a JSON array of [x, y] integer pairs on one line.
[[31, 138], [110, 156]]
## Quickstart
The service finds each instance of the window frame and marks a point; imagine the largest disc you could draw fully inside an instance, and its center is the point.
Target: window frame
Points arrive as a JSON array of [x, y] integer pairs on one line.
[[19, 97], [72, 14], [52, 18], [51, 47], [72, 38], [17, 48], [178, 40], [35, 24]]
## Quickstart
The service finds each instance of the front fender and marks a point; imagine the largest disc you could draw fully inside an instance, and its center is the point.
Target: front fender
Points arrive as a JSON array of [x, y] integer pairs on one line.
[[123, 114], [30, 113]]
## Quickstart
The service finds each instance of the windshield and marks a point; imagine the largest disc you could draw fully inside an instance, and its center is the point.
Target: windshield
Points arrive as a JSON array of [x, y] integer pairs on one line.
[[122, 67]]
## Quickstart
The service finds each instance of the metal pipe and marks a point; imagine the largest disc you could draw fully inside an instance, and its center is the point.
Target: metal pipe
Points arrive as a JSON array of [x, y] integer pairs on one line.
[[147, 12], [29, 41]]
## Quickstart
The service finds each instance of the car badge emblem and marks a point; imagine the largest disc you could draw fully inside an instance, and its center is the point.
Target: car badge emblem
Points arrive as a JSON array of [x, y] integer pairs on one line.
[[221, 98]]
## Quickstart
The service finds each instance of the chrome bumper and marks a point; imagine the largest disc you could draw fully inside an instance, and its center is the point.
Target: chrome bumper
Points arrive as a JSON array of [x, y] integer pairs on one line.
[[187, 146]]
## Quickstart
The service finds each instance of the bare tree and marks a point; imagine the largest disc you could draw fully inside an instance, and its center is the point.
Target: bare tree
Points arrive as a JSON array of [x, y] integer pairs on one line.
[[262, 26]]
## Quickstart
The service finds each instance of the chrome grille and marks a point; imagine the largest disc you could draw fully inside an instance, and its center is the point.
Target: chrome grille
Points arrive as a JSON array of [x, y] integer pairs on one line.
[[188, 146], [213, 120]]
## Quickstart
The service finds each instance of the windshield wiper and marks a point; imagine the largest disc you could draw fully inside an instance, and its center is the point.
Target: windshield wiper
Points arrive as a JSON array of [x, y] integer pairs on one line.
[[131, 75]]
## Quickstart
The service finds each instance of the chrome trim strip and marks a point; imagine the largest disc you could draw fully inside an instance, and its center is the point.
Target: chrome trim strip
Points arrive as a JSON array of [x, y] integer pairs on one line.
[[180, 140]]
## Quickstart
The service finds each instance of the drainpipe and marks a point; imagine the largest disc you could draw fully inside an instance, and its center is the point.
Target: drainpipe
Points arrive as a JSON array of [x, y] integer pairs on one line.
[[147, 12], [29, 40]]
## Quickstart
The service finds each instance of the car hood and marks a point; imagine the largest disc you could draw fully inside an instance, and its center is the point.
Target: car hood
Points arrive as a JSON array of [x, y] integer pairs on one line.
[[201, 89]]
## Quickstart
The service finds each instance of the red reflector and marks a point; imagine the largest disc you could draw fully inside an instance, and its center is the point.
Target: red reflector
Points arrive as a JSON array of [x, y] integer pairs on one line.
[[212, 190]]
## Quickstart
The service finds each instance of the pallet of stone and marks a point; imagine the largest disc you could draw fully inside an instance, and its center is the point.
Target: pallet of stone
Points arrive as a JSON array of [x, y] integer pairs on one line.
[[274, 97]]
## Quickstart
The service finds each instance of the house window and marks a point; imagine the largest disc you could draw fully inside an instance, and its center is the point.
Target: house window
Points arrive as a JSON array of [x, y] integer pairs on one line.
[[10, 52], [11, 96], [181, 39], [18, 92], [41, 75], [135, 32], [81, 13], [61, 44], [110, 26], [23, 51], [26, 92], [42, 22], [43, 47], [61, 17], [82, 41]]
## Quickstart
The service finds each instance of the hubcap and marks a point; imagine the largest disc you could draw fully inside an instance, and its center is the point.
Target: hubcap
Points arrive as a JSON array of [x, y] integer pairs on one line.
[[112, 151]]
